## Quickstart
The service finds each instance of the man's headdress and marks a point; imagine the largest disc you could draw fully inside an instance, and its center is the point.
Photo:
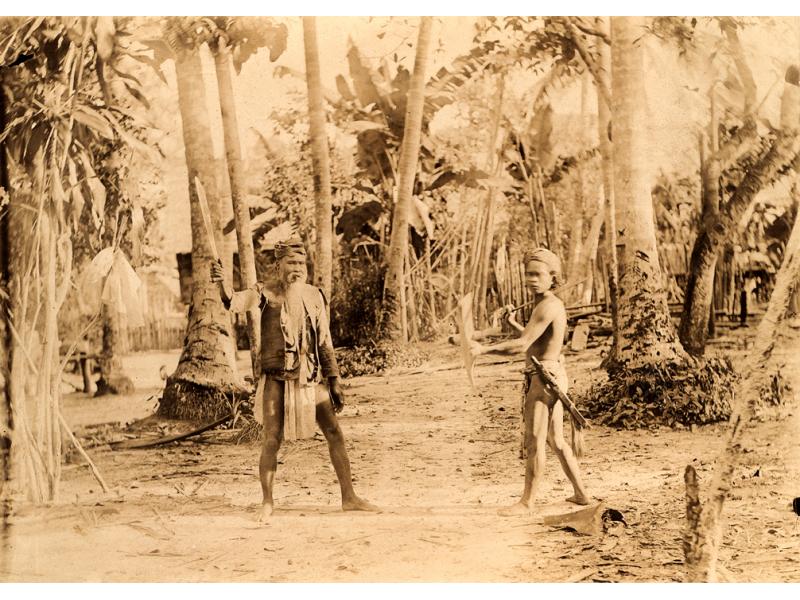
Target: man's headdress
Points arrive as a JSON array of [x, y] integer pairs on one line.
[[543, 255], [290, 247]]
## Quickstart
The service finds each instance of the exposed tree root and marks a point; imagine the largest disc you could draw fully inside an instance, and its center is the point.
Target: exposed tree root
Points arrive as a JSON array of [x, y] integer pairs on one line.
[[192, 402]]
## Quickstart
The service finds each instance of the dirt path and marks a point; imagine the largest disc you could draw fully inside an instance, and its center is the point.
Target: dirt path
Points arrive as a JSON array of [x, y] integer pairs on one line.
[[440, 461]]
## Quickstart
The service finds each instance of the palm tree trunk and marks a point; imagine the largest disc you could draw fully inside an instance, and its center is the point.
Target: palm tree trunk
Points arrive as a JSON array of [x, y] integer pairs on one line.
[[409, 155], [206, 374], [241, 210], [323, 267], [606, 156], [704, 533], [647, 335]]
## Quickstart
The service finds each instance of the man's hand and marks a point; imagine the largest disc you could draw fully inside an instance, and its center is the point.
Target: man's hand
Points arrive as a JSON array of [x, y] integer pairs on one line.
[[217, 272], [337, 394]]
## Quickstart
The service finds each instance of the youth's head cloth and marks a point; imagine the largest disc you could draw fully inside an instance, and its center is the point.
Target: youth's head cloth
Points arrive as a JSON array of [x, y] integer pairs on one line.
[[543, 255]]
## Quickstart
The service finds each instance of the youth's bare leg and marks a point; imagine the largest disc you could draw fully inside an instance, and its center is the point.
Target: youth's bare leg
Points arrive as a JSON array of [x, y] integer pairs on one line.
[[271, 443], [565, 455], [536, 423], [329, 424]]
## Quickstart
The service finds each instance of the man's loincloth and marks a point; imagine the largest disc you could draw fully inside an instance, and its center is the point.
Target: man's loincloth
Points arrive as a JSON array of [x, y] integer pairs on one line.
[[299, 408], [533, 385]]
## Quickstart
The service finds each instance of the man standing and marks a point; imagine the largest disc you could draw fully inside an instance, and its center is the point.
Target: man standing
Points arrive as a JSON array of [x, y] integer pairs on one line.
[[543, 413], [299, 371]]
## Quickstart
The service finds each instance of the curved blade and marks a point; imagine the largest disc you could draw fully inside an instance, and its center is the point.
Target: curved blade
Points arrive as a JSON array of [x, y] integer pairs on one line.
[[203, 202], [465, 331]]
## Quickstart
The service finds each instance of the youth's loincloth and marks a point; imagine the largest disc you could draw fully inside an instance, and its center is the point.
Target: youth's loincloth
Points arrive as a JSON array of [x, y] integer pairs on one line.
[[533, 386], [299, 407]]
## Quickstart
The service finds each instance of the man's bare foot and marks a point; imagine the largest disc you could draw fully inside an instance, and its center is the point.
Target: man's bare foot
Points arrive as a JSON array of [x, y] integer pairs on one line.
[[357, 503], [515, 510], [578, 499], [264, 513]]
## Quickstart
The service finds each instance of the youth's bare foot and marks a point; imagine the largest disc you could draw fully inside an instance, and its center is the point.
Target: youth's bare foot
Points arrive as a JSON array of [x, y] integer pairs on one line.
[[578, 499], [515, 510], [264, 513], [359, 504]]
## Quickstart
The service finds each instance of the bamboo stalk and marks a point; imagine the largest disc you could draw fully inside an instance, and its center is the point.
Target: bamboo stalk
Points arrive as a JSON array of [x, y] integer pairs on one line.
[[452, 268], [462, 260], [413, 334], [50, 345], [82, 452], [444, 239], [476, 247], [431, 290]]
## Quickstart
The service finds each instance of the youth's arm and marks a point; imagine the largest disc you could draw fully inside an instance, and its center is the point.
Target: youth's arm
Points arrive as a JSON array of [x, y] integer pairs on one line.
[[542, 317], [514, 323]]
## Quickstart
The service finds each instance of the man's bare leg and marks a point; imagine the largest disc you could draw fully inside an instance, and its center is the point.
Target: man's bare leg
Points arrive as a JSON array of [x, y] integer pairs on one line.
[[271, 443], [329, 425], [536, 423], [565, 455]]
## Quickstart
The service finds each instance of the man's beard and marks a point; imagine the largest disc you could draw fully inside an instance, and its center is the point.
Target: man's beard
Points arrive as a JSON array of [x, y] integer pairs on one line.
[[294, 285]]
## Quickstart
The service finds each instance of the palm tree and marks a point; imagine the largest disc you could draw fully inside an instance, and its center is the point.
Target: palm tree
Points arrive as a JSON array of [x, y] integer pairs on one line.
[[323, 264], [646, 333], [206, 372], [409, 154]]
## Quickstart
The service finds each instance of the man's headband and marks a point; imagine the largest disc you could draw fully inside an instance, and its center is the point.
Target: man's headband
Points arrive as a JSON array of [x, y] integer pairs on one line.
[[289, 248]]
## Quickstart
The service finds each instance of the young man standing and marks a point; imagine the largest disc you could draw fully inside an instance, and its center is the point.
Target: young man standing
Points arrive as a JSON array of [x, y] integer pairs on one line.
[[297, 360], [543, 413]]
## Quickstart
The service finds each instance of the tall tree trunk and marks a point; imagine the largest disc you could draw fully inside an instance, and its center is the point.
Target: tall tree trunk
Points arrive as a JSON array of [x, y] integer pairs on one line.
[[703, 537], [589, 255], [606, 156], [323, 267], [241, 210], [113, 379], [718, 231], [494, 164], [575, 268], [647, 335], [206, 374], [592, 208], [409, 154], [699, 296]]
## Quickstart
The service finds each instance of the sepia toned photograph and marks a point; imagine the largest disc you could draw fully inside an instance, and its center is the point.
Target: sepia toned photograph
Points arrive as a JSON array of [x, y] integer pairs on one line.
[[395, 299]]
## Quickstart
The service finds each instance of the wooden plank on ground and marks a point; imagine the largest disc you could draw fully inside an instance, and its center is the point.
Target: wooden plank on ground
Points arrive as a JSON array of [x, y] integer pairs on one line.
[[580, 336]]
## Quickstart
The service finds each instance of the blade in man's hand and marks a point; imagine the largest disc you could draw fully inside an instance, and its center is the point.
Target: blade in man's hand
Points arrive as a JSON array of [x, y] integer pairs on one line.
[[203, 202]]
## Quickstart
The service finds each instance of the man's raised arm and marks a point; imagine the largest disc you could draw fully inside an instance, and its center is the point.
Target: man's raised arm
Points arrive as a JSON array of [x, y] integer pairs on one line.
[[238, 302]]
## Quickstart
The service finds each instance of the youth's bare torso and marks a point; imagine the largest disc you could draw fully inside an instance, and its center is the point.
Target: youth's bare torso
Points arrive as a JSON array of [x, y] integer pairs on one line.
[[548, 345]]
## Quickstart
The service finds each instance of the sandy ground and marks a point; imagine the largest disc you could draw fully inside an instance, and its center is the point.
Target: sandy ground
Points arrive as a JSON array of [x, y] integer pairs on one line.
[[440, 461]]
